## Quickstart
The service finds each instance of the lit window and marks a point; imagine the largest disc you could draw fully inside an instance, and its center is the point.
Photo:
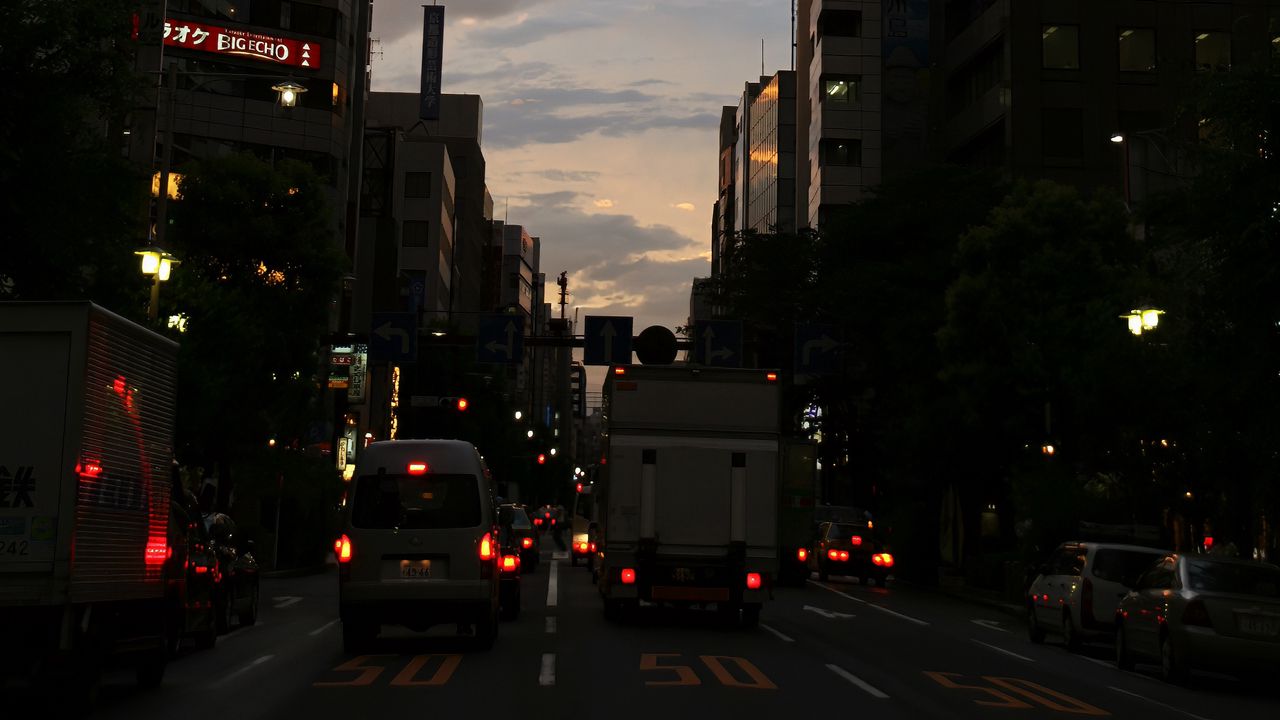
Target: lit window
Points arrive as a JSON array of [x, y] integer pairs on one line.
[[1061, 45], [841, 152], [1137, 49], [1213, 50], [842, 91]]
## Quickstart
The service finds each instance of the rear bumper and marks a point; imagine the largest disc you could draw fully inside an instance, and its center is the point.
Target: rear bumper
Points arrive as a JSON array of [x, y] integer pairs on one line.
[[353, 593]]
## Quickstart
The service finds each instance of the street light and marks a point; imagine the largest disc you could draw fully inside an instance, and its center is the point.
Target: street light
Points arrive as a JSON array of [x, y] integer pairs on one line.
[[1142, 319], [157, 264], [289, 90]]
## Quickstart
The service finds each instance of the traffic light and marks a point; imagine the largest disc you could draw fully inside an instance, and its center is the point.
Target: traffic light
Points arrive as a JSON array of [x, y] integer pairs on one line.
[[542, 458], [579, 487], [454, 403]]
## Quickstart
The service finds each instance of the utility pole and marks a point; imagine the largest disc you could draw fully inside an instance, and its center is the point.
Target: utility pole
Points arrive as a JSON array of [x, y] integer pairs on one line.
[[563, 282]]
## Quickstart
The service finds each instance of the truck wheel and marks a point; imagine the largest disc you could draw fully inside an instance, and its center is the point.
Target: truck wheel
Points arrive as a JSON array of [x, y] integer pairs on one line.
[[150, 672], [750, 616]]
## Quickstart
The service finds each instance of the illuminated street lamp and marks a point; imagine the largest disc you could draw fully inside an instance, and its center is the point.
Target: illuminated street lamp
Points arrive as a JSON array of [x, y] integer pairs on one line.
[[289, 91], [156, 264], [1142, 320]]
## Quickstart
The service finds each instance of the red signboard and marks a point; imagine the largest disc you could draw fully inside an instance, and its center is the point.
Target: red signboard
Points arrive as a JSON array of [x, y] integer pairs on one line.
[[241, 43]]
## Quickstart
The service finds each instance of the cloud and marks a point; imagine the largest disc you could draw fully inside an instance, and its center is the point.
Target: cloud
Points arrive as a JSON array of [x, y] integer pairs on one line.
[[563, 175], [566, 114], [603, 203], [527, 32], [686, 206], [397, 18]]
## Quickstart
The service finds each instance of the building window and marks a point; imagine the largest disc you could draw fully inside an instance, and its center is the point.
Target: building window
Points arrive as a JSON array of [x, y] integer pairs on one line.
[[415, 233], [840, 23], [1063, 132], [1137, 48], [1061, 47], [841, 153], [417, 184], [1213, 50], [840, 90]]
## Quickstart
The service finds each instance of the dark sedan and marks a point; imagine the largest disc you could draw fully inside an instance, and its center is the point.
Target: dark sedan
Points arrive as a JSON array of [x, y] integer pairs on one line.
[[524, 535]]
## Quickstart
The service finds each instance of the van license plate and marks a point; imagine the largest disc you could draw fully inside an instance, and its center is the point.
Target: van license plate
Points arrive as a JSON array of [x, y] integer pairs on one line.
[[1264, 625], [415, 569]]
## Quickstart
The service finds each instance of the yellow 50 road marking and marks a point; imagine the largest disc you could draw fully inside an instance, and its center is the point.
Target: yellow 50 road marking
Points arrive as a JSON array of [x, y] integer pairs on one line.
[[407, 677], [717, 664], [1027, 690]]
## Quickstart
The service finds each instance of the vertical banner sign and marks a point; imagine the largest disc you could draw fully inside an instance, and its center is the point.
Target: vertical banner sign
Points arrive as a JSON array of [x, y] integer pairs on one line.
[[432, 45], [357, 372]]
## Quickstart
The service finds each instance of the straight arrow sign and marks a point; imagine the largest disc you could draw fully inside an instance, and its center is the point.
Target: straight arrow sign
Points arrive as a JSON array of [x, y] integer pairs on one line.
[[829, 614]]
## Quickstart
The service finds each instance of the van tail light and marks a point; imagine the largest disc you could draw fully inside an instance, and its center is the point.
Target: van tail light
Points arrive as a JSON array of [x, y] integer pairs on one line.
[[526, 543], [884, 560], [856, 541], [486, 547], [1196, 614], [628, 576], [802, 554], [591, 547], [582, 547], [1086, 600], [753, 581], [342, 548], [510, 563]]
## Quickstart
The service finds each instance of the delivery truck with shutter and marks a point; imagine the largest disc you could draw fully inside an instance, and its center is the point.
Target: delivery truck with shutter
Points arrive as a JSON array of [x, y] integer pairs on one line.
[[689, 488], [86, 447]]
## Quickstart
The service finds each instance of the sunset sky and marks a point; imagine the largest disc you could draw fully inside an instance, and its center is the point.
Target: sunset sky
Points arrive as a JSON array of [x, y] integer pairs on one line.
[[600, 127]]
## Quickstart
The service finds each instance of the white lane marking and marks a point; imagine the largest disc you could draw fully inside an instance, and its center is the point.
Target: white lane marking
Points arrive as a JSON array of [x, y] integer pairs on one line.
[[551, 625], [1157, 702], [1002, 650], [1096, 661], [866, 687], [285, 601], [781, 637], [242, 670], [553, 584], [990, 625], [547, 677], [829, 614], [882, 609], [560, 555], [323, 627]]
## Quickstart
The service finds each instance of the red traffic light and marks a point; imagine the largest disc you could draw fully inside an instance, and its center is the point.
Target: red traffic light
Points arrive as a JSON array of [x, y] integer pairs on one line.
[[542, 458], [579, 487]]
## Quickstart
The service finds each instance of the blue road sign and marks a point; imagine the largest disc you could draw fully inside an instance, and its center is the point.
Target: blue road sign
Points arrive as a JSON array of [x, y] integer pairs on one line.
[[817, 351], [718, 343], [393, 337], [500, 339], [607, 340]]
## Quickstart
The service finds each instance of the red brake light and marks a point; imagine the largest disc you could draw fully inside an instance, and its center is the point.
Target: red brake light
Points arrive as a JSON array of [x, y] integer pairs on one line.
[[833, 554], [343, 548], [510, 562], [844, 554], [771, 377], [156, 553], [1196, 614], [753, 581], [201, 569], [462, 404], [802, 554], [526, 542], [591, 547], [1208, 542], [882, 560], [582, 546], [856, 540], [417, 468], [486, 547], [628, 576]]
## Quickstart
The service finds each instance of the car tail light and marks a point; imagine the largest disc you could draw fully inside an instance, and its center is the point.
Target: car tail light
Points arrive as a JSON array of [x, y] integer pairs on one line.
[[417, 468], [856, 540], [802, 554], [628, 576], [486, 547], [1208, 542], [526, 543], [1196, 614], [342, 548], [591, 547], [833, 554], [201, 569], [1086, 599], [582, 547], [553, 521], [844, 554], [510, 563], [537, 521], [882, 560], [771, 377], [753, 581]]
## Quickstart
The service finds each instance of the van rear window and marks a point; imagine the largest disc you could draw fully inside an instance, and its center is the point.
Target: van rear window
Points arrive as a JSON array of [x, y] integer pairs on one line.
[[415, 502]]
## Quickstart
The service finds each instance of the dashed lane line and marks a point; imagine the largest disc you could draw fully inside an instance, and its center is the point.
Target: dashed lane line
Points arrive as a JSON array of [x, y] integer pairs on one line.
[[1157, 702], [881, 608], [867, 687], [228, 678], [322, 628], [1010, 653], [551, 625], [782, 637], [547, 677], [553, 584]]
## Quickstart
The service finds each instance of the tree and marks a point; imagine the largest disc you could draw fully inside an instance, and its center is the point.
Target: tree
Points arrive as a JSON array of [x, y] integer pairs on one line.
[[259, 271], [70, 204]]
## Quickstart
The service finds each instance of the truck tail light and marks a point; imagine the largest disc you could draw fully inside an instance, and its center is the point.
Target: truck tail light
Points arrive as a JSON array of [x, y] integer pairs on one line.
[[526, 543], [486, 547], [753, 581], [157, 552], [882, 560], [342, 548], [582, 547], [628, 576], [802, 554]]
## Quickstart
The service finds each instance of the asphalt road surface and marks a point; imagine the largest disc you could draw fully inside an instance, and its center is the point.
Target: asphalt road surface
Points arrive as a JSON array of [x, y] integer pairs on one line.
[[834, 647]]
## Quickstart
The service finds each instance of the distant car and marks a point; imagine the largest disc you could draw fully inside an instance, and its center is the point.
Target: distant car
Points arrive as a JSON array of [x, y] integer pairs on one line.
[[509, 565], [189, 578], [1076, 591], [850, 548], [236, 585], [524, 535], [1202, 612]]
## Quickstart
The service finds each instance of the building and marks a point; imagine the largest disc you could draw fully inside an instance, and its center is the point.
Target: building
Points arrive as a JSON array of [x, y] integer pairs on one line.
[[771, 154], [722, 214]]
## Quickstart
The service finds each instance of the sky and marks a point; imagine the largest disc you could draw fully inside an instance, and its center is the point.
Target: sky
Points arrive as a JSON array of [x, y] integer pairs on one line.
[[601, 127]]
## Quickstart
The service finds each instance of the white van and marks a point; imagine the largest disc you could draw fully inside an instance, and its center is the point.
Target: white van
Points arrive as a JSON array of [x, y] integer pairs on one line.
[[419, 544]]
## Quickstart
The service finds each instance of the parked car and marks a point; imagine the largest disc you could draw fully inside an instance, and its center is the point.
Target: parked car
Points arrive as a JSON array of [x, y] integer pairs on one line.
[[236, 586], [526, 538], [419, 543], [1076, 592], [1202, 612], [189, 571], [850, 548]]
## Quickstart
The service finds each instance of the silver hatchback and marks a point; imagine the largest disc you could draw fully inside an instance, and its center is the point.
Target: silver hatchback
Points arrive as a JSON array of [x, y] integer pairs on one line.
[[420, 542]]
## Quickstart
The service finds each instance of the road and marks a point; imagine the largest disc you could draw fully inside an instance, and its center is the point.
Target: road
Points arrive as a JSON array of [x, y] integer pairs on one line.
[[837, 646]]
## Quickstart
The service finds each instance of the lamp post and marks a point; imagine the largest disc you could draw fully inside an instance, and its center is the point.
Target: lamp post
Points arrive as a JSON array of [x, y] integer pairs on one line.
[[1142, 320], [158, 265]]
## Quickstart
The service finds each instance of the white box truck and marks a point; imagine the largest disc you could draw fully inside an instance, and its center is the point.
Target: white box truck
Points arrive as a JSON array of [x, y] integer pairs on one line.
[[689, 488], [86, 447]]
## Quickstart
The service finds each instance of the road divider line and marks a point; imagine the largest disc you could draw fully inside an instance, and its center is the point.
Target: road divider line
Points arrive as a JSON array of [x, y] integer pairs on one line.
[[553, 584], [990, 625], [547, 677], [1095, 661], [1010, 653], [1157, 702], [560, 555], [323, 627], [242, 671], [781, 637], [286, 601], [881, 608], [868, 688], [551, 625]]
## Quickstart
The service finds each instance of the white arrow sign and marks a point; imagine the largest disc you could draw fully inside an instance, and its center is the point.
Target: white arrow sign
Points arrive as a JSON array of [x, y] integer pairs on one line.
[[710, 354], [494, 346], [386, 330], [829, 614]]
